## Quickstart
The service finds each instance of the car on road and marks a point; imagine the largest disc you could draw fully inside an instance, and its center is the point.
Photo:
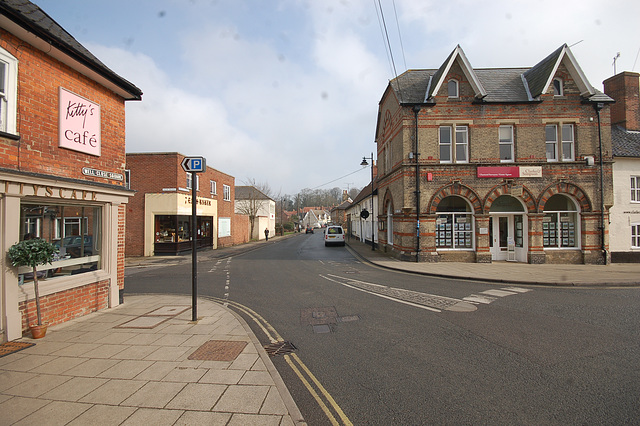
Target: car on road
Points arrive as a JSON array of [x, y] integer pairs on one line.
[[309, 230], [334, 235]]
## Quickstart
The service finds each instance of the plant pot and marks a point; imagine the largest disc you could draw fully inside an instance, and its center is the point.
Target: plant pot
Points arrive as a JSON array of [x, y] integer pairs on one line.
[[38, 331]]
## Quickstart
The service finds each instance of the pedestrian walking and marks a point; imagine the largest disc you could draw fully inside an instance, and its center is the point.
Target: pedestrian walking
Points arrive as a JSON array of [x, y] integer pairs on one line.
[[266, 234]]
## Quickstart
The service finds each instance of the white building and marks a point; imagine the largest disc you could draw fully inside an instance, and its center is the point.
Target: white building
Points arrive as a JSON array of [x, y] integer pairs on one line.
[[260, 208]]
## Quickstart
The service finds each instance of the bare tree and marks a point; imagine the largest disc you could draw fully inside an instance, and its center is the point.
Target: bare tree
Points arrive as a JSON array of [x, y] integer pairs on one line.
[[252, 198]]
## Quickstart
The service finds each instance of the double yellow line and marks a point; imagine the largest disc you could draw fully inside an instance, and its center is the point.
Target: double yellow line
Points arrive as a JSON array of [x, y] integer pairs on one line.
[[326, 402]]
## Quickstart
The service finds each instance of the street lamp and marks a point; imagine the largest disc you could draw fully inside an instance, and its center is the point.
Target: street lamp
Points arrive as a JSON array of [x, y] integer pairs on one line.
[[364, 163]]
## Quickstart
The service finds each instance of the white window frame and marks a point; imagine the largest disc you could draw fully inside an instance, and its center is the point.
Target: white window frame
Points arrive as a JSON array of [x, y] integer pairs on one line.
[[571, 142], [189, 181], [506, 142], [453, 84], [8, 93], [635, 189], [226, 191], [214, 187], [454, 146], [635, 235], [552, 142]]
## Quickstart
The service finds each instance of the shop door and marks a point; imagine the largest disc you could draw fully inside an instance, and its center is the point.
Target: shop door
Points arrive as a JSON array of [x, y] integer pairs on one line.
[[501, 234]]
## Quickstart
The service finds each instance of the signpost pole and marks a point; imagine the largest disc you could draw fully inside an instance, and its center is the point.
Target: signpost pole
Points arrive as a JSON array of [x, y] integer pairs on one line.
[[194, 252]]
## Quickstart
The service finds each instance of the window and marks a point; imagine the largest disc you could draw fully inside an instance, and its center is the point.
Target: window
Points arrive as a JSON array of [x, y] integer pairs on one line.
[[557, 87], [560, 223], [454, 224], [189, 182], [551, 136], [635, 235], [76, 230], [226, 191], [452, 89], [127, 179], [8, 91], [447, 144], [505, 135], [635, 189], [567, 146], [214, 187], [567, 142]]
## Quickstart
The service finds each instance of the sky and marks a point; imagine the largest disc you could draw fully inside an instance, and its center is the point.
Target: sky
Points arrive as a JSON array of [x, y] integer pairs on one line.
[[286, 92]]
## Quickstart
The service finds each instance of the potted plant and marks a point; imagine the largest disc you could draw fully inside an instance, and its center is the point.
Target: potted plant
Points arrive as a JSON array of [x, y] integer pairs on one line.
[[32, 253]]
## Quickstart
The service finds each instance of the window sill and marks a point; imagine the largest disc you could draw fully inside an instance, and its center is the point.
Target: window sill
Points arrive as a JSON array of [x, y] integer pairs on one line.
[[62, 283], [9, 136]]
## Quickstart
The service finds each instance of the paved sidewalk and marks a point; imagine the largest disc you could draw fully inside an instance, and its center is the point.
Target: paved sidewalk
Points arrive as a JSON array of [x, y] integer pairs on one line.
[[616, 274], [145, 363]]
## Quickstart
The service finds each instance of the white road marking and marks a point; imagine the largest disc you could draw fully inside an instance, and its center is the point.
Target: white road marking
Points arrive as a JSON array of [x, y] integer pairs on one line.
[[517, 289], [479, 299], [499, 293]]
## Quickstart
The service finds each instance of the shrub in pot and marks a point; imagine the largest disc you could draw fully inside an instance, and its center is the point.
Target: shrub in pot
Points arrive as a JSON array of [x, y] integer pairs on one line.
[[32, 253]]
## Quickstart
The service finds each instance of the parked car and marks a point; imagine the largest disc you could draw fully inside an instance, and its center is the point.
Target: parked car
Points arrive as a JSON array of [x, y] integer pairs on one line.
[[334, 235], [71, 246], [309, 230]]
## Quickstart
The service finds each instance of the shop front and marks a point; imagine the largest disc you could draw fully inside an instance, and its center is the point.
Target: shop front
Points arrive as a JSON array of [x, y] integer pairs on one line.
[[168, 226], [82, 221]]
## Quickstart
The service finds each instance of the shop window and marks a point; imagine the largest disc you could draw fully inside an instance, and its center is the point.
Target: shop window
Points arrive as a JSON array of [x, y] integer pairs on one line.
[[450, 146], [8, 91], [505, 136], [635, 189], [560, 226], [226, 189], [635, 235], [454, 224], [76, 231]]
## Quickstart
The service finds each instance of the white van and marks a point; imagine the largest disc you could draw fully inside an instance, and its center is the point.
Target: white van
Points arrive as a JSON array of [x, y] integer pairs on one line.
[[334, 234]]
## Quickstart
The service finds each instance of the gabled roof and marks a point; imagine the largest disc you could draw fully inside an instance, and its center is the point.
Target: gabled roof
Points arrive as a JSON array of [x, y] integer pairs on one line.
[[343, 206], [540, 76], [250, 193], [30, 23], [439, 76], [494, 85], [625, 143], [365, 193]]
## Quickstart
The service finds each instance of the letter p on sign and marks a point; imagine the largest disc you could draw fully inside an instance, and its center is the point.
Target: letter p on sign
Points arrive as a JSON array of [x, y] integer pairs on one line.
[[194, 164]]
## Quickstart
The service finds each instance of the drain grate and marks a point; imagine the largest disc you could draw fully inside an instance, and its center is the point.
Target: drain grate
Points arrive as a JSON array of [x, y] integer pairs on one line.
[[280, 348]]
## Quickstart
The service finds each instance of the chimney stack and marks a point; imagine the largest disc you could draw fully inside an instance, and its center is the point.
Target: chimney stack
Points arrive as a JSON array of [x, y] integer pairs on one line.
[[625, 89]]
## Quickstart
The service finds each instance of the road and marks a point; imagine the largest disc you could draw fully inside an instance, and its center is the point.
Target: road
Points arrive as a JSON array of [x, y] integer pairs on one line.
[[379, 347]]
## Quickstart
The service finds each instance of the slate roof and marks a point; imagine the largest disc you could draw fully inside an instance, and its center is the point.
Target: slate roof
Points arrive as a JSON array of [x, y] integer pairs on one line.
[[33, 19], [250, 193], [625, 143], [496, 85]]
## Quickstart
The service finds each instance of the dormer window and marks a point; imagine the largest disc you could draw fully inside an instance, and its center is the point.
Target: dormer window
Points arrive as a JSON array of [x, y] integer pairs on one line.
[[557, 87], [452, 88]]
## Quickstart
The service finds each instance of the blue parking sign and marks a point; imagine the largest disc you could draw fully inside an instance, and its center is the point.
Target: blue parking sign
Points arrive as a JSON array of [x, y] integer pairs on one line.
[[194, 164]]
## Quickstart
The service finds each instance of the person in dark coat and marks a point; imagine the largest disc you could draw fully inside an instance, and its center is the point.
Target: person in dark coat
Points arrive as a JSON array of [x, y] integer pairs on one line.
[[266, 234]]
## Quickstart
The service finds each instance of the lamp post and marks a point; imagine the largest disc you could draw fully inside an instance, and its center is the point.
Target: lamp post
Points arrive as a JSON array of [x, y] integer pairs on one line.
[[364, 163]]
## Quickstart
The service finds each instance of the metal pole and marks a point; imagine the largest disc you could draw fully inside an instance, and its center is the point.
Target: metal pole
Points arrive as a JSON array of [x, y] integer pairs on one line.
[[598, 107], [416, 154], [373, 238], [194, 252]]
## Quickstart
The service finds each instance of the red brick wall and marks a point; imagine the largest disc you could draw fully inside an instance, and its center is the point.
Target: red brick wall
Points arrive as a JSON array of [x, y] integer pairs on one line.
[[240, 228], [64, 306], [625, 89], [39, 80]]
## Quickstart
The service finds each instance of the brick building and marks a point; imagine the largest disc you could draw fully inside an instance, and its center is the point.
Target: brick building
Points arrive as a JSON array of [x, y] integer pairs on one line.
[[507, 160], [62, 157], [159, 215], [625, 138]]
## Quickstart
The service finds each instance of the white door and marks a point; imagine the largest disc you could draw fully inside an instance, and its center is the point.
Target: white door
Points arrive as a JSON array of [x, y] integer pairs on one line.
[[501, 232]]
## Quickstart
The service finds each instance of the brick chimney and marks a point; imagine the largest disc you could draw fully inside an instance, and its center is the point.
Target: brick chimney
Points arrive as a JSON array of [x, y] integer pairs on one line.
[[625, 89]]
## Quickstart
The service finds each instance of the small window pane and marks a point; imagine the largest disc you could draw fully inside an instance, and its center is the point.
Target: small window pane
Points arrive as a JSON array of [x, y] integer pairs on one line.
[[445, 135]]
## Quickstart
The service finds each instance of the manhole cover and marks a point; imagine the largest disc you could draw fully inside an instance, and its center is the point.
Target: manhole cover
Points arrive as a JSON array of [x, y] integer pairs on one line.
[[218, 350], [321, 329], [318, 316]]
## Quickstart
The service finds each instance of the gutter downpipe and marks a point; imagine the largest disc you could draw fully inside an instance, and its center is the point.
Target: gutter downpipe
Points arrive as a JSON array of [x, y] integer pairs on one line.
[[416, 154], [598, 106]]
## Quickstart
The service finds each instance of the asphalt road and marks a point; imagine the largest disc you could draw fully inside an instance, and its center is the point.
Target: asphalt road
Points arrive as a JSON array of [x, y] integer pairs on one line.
[[394, 348]]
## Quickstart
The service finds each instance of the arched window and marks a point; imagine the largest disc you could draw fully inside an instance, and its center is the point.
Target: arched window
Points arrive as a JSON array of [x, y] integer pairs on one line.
[[558, 90], [389, 224], [454, 224], [452, 88], [560, 226]]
